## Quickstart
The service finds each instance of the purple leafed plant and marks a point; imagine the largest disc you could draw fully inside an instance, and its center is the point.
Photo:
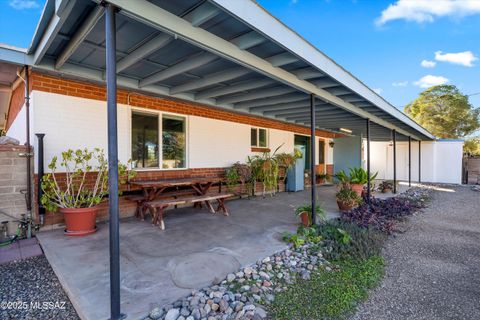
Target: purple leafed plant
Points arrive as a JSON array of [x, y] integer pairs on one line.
[[382, 214]]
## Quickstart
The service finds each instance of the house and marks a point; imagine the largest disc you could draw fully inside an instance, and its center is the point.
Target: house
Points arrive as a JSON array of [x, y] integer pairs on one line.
[[218, 80], [201, 85]]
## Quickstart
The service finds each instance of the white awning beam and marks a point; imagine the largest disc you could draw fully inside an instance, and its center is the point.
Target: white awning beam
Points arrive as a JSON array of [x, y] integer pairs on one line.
[[202, 14], [265, 93], [267, 101], [54, 26], [208, 80], [155, 16], [240, 87], [80, 35], [143, 51]]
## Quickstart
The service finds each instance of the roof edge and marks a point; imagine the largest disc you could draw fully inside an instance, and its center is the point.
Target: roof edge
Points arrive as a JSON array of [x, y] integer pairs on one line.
[[251, 13]]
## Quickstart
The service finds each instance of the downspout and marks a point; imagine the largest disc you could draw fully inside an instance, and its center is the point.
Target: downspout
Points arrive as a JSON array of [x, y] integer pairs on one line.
[[28, 155]]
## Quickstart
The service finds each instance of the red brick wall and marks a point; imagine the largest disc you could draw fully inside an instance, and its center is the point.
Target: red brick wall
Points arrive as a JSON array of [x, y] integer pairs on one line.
[[47, 83], [68, 87], [330, 169], [127, 208], [16, 104]]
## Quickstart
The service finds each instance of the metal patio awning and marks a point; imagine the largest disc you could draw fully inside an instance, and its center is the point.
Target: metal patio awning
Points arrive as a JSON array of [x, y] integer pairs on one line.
[[227, 54]]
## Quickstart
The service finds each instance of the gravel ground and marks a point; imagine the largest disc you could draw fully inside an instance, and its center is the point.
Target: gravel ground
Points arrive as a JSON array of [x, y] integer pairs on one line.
[[29, 289], [433, 268]]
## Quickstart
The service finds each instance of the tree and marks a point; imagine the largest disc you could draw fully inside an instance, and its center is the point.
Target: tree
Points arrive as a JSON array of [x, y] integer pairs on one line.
[[472, 146], [445, 112]]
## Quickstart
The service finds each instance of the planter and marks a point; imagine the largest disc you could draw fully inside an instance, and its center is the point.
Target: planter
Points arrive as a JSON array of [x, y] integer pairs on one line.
[[79, 221], [305, 218], [343, 206], [386, 190], [358, 188]]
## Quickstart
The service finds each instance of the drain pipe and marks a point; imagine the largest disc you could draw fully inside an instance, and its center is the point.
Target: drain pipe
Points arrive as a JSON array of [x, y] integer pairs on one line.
[[40, 166], [28, 155]]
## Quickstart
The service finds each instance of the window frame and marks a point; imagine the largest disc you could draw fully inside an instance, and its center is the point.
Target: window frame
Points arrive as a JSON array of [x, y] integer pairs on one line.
[[160, 115], [267, 138]]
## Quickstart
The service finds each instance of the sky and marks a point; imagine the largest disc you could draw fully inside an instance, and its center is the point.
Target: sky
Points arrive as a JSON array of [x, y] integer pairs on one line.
[[396, 47]]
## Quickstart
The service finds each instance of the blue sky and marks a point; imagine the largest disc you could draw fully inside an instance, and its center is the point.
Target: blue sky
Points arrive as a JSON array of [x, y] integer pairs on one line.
[[383, 43]]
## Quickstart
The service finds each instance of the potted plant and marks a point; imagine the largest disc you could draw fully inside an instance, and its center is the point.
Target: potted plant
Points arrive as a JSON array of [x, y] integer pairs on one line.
[[347, 199], [305, 214], [356, 179], [321, 177], [78, 190], [385, 186]]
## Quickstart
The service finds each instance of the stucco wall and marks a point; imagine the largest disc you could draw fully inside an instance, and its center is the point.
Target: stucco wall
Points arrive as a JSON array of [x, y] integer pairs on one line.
[[441, 161]]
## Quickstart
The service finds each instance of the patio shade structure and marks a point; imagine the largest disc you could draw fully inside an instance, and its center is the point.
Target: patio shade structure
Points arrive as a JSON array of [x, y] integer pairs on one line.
[[224, 54]]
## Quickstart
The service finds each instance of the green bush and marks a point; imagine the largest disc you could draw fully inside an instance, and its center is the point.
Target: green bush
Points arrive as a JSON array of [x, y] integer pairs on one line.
[[302, 236], [329, 295], [346, 240]]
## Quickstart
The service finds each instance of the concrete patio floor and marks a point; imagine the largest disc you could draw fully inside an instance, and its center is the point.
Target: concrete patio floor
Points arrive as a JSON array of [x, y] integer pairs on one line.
[[158, 267]]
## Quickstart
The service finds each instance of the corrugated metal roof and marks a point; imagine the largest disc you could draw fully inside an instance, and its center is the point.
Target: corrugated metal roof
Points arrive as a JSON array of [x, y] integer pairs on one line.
[[165, 63]]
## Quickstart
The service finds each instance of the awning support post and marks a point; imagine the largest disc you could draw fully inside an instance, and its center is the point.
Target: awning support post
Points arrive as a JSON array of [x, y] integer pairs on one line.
[[29, 151], [419, 161], [394, 137], [114, 232], [368, 162], [409, 161], [312, 158]]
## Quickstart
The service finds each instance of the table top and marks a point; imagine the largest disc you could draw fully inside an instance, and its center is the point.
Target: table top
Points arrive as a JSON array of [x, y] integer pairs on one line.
[[173, 182]]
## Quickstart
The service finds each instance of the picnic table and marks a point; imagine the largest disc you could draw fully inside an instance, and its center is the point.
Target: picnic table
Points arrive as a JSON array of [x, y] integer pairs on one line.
[[153, 190]]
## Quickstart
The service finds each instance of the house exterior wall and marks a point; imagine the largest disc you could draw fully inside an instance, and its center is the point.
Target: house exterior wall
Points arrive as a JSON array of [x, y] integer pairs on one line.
[[73, 122], [441, 160], [347, 153], [73, 115]]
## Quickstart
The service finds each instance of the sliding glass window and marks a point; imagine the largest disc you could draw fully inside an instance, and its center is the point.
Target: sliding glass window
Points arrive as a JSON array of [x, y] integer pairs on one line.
[[145, 140], [173, 142]]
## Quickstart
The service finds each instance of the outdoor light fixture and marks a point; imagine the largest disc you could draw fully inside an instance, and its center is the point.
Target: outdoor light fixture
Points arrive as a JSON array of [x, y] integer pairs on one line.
[[331, 144], [345, 130]]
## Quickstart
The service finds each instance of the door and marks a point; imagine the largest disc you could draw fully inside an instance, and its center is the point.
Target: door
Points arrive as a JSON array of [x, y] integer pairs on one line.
[[321, 156], [303, 142]]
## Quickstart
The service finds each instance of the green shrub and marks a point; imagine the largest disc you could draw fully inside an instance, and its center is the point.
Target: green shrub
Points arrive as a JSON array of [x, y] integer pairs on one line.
[[302, 236], [346, 240], [329, 295]]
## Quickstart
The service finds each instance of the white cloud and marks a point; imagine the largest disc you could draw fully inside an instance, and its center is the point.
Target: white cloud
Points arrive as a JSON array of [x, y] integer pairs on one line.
[[428, 64], [23, 4], [377, 90], [428, 10], [465, 58], [400, 84], [430, 81]]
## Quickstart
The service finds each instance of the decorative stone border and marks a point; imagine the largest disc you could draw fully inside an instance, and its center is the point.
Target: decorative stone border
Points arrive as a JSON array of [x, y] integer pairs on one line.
[[242, 295]]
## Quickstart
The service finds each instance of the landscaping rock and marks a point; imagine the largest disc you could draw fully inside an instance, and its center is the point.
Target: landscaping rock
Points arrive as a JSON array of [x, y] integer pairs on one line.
[[234, 297], [172, 314], [156, 313]]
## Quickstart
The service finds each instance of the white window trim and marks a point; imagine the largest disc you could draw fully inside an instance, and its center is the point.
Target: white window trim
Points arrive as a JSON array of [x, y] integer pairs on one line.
[[160, 140], [267, 136]]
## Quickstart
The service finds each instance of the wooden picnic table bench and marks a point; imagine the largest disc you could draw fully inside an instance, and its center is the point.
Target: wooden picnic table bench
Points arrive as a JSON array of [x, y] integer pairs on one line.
[[157, 207]]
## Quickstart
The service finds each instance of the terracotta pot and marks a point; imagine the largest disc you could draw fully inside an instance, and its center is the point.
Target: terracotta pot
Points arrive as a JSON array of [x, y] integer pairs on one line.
[[305, 218], [386, 190], [358, 188], [79, 221], [343, 206]]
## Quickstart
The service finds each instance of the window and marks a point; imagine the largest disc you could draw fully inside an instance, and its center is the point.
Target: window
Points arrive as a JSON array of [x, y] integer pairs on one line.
[[173, 142], [144, 140], [258, 137]]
